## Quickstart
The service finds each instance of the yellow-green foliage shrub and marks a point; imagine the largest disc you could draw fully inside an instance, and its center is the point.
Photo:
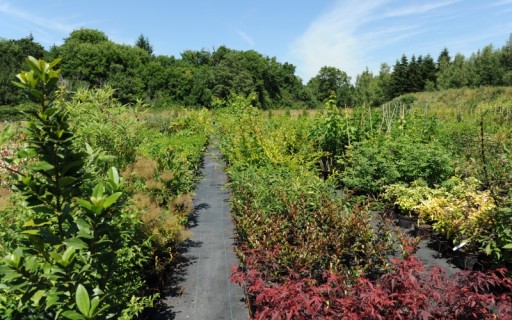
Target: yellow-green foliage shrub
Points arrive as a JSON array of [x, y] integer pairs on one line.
[[459, 210], [407, 198], [463, 213], [248, 138]]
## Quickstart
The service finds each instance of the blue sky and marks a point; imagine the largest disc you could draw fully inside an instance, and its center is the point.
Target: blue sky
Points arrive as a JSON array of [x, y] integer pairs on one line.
[[348, 34]]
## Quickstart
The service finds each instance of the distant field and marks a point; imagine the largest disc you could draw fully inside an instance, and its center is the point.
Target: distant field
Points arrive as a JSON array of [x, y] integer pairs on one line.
[[295, 113], [460, 101]]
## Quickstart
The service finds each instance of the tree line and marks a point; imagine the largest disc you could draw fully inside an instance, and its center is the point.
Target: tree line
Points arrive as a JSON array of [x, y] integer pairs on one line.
[[204, 78]]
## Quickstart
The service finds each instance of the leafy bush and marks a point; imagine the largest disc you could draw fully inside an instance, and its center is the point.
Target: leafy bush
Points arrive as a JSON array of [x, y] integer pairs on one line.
[[297, 216], [330, 131], [462, 212], [79, 252], [177, 155], [408, 197], [101, 121], [246, 138], [497, 241], [458, 209], [408, 292], [374, 163]]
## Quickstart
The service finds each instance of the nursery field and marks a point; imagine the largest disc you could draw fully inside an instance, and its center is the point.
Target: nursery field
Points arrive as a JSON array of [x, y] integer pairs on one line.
[[328, 206], [316, 198]]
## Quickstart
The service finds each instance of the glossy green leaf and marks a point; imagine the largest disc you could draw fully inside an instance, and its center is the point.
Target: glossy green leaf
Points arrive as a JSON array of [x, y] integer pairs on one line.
[[76, 243], [82, 224], [111, 199], [84, 204], [34, 64], [113, 175], [44, 166], [97, 193], [94, 305], [73, 315], [82, 300], [36, 297], [54, 63], [68, 256]]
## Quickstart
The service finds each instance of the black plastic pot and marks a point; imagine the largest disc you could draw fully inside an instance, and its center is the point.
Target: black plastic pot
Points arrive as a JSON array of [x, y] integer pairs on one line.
[[424, 231], [406, 222], [466, 260]]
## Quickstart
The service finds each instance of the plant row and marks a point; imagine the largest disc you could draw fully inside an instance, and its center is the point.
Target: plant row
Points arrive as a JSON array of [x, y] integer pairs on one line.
[[308, 249], [100, 197]]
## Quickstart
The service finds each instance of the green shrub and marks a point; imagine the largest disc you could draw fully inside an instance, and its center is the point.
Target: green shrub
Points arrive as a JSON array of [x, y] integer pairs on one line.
[[457, 209], [79, 252], [497, 242], [101, 121], [374, 163], [281, 207]]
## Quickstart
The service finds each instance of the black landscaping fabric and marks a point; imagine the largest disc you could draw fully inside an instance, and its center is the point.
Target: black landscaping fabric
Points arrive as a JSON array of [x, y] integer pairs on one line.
[[199, 288]]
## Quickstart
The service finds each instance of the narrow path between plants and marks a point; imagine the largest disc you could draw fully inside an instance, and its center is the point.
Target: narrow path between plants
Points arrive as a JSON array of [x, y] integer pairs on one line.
[[200, 288], [430, 256], [427, 251]]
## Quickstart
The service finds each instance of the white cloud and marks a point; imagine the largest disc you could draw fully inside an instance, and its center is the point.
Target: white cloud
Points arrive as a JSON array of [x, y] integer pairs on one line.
[[354, 30], [47, 30], [245, 37], [418, 9], [502, 3], [332, 39], [49, 24]]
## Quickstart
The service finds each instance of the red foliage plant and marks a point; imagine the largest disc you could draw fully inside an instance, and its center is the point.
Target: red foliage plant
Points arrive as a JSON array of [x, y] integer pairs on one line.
[[408, 292]]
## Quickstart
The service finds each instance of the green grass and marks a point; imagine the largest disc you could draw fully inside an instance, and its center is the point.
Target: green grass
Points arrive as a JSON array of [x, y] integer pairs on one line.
[[459, 101]]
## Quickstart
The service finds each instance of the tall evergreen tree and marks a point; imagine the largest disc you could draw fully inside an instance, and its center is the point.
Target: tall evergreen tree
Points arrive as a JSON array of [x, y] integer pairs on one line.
[[143, 43], [400, 77], [444, 59], [415, 81], [428, 72]]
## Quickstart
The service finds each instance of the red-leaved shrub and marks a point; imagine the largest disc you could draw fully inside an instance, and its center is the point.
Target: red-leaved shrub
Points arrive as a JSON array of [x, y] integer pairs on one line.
[[408, 292]]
